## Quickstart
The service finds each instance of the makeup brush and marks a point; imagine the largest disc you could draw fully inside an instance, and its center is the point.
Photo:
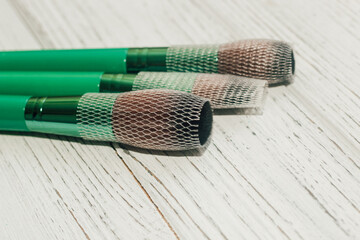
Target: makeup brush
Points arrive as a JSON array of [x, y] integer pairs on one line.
[[263, 59], [152, 119], [224, 91]]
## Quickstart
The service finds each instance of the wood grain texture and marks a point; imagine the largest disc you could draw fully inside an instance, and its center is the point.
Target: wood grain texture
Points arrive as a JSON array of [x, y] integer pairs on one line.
[[62, 188], [292, 173]]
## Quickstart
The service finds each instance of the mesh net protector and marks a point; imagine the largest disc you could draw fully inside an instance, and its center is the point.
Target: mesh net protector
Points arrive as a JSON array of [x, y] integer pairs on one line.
[[224, 91], [262, 59], [269, 60], [198, 58], [161, 119], [176, 81], [229, 91], [152, 119], [94, 116]]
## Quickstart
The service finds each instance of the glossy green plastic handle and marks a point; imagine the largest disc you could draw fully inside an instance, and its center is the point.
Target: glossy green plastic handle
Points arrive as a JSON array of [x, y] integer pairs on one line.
[[56, 115], [12, 110], [38, 84], [49, 83], [100, 60]]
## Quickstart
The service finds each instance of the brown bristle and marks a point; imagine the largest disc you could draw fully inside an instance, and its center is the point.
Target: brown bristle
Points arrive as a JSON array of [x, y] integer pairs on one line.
[[230, 91], [262, 59], [162, 119]]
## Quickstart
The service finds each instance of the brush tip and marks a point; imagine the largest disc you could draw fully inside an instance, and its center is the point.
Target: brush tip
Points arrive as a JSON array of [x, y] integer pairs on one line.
[[162, 119], [205, 123], [269, 60], [227, 91], [263, 59], [292, 63], [223, 90]]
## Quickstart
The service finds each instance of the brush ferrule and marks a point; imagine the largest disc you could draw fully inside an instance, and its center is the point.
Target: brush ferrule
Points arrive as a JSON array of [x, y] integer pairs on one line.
[[55, 115], [117, 82], [146, 59], [52, 109]]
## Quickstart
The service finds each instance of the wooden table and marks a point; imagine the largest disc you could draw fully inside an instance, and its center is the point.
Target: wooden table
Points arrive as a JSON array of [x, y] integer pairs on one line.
[[292, 173]]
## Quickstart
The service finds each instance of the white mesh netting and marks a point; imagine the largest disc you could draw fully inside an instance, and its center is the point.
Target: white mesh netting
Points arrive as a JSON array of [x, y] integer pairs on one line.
[[198, 58], [94, 116], [224, 91], [162, 119], [256, 58], [229, 91], [153, 119], [176, 81]]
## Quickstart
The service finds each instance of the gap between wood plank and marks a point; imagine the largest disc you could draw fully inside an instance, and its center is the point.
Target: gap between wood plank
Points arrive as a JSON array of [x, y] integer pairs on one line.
[[144, 190]]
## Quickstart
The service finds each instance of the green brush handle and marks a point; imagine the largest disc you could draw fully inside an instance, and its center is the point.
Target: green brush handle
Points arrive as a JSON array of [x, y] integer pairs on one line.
[[55, 115], [48, 115], [12, 110], [49, 83], [63, 83], [107, 60], [120, 60]]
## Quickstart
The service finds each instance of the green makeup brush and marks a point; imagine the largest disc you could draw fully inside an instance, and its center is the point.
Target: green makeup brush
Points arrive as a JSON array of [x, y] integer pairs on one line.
[[262, 59], [153, 119], [224, 91]]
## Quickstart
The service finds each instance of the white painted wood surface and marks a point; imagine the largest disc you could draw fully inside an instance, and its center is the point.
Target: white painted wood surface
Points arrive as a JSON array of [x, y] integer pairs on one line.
[[293, 173]]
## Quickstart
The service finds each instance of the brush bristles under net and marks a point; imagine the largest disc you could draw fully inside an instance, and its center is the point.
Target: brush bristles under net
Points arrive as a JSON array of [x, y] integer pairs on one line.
[[269, 60], [152, 119], [224, 91], [229, 91]]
